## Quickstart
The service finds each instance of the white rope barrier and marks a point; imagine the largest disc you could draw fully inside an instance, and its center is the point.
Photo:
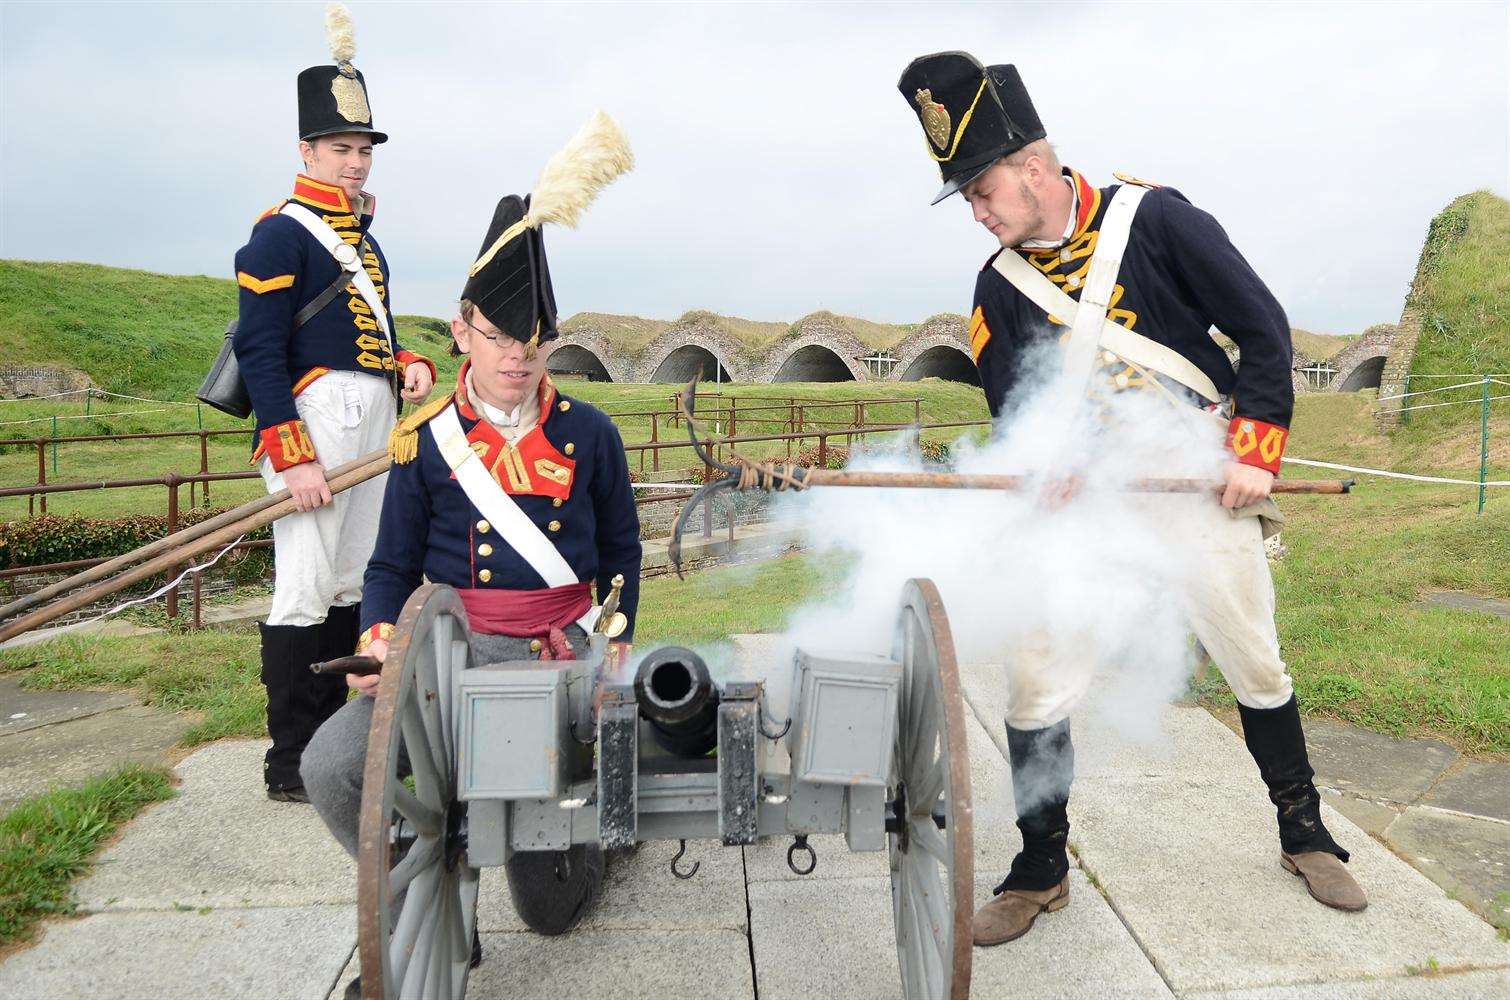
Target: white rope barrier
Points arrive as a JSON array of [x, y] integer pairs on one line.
[[1440, 388], [192, 570], [1459, 402], [1394, 475]]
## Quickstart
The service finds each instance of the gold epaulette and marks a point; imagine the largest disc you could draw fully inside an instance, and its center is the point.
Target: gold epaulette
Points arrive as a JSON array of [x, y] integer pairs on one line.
[[403, 443], [1130, 179]]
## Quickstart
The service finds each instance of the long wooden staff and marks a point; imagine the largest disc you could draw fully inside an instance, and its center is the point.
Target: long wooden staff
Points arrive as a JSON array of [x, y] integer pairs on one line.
[[165, 543], [778, 476], [181, 546]]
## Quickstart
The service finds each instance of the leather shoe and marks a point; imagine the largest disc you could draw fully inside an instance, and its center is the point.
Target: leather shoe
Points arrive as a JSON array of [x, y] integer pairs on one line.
[[289, 793], [1326, 879], [1011, 914]]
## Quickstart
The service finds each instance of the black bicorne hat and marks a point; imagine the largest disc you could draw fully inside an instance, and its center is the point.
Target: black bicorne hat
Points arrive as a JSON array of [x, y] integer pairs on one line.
[[333, 99], [512, 286], [972, 115]]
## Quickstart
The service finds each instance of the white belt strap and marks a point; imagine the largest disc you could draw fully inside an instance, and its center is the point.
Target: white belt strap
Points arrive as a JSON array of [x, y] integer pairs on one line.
[[513, 524], [1119, 340], [1100, 284], [350, 261]]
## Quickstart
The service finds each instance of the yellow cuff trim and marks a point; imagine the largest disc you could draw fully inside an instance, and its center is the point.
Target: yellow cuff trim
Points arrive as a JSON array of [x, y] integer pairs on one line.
[[264, 285]]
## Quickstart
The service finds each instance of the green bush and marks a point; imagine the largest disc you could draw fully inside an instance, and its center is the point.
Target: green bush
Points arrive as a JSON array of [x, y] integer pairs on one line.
[[36, 541]]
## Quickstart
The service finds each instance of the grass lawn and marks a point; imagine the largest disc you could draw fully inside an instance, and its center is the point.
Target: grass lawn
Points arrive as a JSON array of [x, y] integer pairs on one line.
[[48, 841]]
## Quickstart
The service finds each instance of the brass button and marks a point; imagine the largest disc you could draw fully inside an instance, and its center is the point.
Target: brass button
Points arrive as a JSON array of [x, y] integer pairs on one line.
[[564, 405], [1122, 381], [1065, 255], [557, 502], [1108, 357], [483, 527], [569, 448], [534, 645], [484, 549], [1072, 281], [485, 575], [554, 526]]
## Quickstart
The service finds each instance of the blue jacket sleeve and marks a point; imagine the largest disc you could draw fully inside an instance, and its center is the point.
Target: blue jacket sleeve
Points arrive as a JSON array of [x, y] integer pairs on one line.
[[397, 566], [1227, 289], [992, 340], [268, 270], [618, 523]]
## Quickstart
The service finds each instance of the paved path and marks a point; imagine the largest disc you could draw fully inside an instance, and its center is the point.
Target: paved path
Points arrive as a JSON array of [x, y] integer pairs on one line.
[[1178, 892]]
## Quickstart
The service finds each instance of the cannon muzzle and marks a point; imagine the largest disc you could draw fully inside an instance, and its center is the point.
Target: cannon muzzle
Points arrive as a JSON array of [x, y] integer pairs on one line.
[[679, 699]]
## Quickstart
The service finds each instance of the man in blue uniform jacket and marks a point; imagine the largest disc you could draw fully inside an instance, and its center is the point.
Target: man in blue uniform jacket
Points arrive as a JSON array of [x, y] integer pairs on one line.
[[314, 344], [505, 443], [1130, 279]]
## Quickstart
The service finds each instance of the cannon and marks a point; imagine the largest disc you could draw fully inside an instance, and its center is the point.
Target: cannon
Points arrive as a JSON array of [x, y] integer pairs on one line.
[[551, 763]]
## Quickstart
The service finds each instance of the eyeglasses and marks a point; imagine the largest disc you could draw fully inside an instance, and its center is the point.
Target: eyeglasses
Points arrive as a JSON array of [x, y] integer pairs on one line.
[[531, 347]]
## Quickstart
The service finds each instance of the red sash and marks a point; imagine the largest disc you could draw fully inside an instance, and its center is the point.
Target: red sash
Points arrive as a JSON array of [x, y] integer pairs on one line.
[[529, 614]]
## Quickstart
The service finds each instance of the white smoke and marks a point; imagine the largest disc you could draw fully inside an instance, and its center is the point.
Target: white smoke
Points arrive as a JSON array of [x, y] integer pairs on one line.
[[1089, 587]]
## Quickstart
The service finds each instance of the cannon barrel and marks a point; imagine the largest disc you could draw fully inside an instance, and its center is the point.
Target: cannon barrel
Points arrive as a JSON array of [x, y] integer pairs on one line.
[[679, 699]]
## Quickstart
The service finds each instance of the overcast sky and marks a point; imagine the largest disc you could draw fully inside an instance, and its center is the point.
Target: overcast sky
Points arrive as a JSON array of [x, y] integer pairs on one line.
[[779, 170]]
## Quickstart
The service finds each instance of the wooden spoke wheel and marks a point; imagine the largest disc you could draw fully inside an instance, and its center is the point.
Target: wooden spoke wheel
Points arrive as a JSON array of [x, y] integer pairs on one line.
[[930, 824], [412, 835]]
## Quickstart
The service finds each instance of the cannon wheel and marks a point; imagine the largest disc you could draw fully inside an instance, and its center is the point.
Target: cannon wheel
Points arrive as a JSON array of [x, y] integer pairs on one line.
[[426, 949], [932, 868]]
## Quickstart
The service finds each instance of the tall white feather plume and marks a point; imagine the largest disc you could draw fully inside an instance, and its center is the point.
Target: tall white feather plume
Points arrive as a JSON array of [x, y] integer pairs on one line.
[[597, 154], [341, 32]]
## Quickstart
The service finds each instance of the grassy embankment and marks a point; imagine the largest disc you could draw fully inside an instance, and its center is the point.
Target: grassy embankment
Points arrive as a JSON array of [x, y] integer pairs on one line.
[[163, 330]]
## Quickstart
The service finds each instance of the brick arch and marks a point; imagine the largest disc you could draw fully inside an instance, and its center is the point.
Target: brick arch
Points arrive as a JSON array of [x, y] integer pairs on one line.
[[932, 336], [1360, 365], [816, 357], [597, 345], [703, 336]]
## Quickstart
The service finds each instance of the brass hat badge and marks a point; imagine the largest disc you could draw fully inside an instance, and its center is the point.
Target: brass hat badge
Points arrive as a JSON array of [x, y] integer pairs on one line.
[[935, 118], [351, 99]]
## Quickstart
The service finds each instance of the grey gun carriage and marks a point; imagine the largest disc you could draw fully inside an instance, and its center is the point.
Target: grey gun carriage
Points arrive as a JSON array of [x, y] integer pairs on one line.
[[472, 765]]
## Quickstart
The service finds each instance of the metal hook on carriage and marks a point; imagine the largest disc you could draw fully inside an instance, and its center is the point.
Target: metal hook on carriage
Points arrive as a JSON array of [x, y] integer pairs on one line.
[[682, 849], [785, 728], [799, 843], [571, 727]]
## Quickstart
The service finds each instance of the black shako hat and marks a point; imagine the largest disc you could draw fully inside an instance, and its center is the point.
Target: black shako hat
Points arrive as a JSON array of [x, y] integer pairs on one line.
[[333, 99], [512, 288], [972, 115]]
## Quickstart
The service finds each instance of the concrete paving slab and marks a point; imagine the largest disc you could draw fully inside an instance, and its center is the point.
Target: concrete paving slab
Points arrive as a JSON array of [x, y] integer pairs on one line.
[[1449, 986], [639, 892], [25, 709], [70, 753], [1373, 818], [835, 939], [1181, 740], [293, 952], [108, 627], [1373, 765], [1176, 857], [250, 609], [220, 842], [1462, 600], [1468, 857], [610, 964], [1481, 787]]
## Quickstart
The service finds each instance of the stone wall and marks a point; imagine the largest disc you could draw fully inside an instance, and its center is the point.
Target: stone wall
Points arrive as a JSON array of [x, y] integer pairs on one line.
[[28, 381]]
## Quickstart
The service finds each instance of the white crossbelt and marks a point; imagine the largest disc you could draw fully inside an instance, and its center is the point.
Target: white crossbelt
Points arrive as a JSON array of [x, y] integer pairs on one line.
[[348, 258], [1090, 330], [513, 524]]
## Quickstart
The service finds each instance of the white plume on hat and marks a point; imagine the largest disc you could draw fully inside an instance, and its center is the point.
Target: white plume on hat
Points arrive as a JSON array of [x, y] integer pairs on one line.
[[341, 32], [597, 154], [594, 157]]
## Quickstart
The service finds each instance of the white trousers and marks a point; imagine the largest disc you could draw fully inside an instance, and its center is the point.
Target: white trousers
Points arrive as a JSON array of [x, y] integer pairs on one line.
[[319, 556], [1229, 607]]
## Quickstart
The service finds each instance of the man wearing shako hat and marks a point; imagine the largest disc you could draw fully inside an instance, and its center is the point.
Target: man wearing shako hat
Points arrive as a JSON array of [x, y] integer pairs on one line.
[[1128, 279], [315, 346], [504, 443]]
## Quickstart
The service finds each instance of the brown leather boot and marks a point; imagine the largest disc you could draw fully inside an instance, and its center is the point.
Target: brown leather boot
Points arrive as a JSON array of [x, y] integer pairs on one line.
[[1011, 914], [1327, 879]]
